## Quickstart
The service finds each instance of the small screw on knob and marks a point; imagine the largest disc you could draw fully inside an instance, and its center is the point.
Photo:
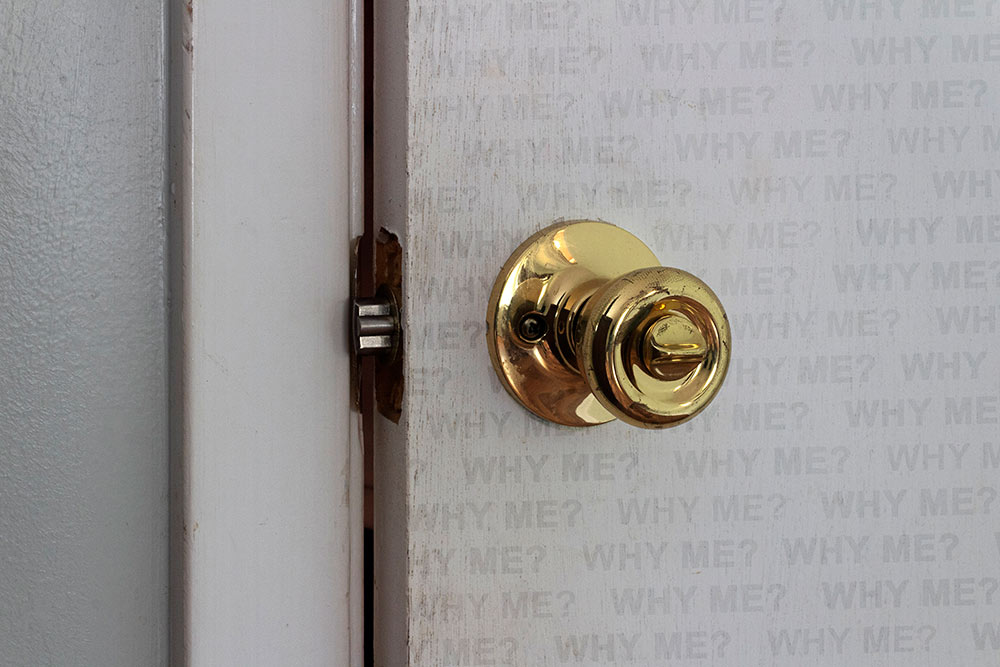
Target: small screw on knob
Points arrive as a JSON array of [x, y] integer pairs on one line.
[[532, 328]]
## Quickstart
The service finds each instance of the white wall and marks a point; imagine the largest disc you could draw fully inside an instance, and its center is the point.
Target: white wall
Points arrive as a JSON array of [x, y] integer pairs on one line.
[[83, 438]]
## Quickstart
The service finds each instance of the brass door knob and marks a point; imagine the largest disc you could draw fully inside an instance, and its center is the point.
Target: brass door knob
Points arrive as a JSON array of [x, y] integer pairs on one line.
[[584, 326]]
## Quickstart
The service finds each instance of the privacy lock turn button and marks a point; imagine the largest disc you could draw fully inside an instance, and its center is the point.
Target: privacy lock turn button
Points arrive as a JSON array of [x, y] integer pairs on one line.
[[584, 326]]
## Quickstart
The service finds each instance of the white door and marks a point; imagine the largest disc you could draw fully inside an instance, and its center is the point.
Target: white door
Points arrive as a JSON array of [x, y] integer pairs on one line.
[[829, 168]]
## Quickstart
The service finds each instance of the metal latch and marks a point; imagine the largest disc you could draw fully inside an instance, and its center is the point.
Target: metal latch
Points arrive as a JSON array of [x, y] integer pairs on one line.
[[376, 324], [376, 329]]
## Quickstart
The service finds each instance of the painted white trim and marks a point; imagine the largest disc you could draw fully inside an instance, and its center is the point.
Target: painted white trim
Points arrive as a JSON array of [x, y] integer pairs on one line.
[[356, 97], [267, 477]]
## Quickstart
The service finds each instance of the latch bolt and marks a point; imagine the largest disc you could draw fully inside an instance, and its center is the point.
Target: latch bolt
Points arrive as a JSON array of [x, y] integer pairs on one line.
[[376, 324]]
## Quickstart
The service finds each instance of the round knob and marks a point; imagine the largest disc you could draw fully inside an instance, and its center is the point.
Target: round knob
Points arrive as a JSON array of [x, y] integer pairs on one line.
[[584, 326], [655, 346]]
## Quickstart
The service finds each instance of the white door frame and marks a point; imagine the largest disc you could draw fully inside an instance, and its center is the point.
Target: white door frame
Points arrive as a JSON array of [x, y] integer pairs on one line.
[[266, 475]]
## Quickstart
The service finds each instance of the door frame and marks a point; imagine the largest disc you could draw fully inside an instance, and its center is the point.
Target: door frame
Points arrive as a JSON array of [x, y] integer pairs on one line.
[[266, 464]]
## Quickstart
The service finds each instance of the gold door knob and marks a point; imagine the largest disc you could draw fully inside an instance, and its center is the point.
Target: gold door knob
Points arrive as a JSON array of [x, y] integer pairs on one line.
[[584, 326]]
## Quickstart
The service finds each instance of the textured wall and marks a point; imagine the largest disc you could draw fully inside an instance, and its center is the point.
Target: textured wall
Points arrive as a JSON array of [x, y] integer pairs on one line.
[[83, 442]]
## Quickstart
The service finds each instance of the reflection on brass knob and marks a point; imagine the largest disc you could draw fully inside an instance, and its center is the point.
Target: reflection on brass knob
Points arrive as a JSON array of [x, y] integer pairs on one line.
[[584, 326]]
